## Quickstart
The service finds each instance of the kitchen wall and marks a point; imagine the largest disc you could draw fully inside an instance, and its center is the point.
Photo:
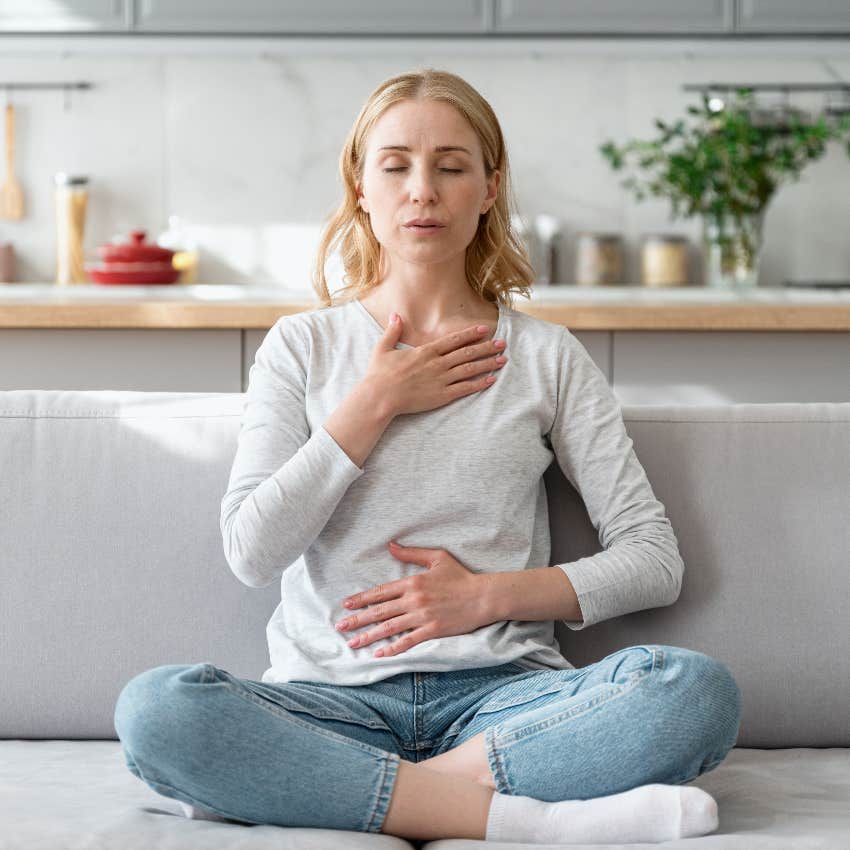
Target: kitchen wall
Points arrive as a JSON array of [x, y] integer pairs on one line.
[[244, 145]]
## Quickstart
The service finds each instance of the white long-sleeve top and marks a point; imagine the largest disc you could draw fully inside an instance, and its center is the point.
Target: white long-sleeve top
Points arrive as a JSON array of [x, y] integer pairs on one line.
[[466, 477]]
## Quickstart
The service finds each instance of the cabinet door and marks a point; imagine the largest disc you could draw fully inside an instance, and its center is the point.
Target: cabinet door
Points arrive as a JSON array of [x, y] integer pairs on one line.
[[120, 359], [303, 16], [67, 16], [613, 16], [720, 367], [792, 16]]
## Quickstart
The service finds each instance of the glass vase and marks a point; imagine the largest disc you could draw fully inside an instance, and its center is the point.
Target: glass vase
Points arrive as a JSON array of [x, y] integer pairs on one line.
[[732, 247]]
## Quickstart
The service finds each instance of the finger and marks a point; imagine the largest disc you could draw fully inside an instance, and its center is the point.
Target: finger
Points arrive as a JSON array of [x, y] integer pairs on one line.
[[392, 332], [455, 340], [388, 590], [373, 615], [459, 389], [388, 628], [402, 645], [473, 368], [415, 554], [475, 353]]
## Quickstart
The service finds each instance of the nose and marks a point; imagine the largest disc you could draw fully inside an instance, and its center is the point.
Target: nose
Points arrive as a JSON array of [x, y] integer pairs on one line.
[[422, 187]]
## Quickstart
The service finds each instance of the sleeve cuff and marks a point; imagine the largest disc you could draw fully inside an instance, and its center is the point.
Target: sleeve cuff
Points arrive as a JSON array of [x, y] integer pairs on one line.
[[581, 576]]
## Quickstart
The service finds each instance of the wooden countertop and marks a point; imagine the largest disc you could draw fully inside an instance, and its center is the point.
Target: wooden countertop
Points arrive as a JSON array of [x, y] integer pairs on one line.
[[578, 308]]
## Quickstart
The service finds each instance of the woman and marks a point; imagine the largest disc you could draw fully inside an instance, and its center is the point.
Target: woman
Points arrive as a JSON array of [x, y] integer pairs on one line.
[[391, 459]]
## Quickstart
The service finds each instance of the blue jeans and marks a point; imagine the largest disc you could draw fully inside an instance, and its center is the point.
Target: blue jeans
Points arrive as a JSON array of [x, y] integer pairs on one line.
[[316, 755]]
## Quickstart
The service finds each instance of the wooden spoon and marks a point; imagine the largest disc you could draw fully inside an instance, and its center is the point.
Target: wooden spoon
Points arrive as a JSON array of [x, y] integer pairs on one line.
[[11, 194]]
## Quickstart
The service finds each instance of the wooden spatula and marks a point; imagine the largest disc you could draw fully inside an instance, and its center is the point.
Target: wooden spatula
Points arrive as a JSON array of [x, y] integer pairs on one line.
[[11, 194]]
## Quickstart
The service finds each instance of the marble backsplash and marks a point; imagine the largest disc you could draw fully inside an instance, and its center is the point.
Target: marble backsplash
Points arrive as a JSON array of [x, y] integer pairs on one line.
[[244, 148]]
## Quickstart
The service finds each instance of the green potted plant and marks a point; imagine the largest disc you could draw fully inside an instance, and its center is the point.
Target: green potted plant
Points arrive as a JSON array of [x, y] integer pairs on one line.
[[725, 166]]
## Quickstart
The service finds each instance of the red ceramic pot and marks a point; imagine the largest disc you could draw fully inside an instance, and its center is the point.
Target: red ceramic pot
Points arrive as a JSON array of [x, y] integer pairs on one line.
[[136, 262]]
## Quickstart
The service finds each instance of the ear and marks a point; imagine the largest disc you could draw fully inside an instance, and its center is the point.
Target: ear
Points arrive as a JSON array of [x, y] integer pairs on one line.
[[492, 190], [361, 201]]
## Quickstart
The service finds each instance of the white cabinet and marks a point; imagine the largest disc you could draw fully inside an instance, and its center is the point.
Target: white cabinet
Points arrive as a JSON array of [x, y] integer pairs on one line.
[[120, 359], [793, 17], [293, 17], [642, 367], [66, 16], [720, 367], [622, 17], [535, 18]]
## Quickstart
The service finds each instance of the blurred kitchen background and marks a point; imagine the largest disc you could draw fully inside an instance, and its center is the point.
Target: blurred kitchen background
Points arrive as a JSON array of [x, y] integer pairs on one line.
[[216, 128], [188, 151]]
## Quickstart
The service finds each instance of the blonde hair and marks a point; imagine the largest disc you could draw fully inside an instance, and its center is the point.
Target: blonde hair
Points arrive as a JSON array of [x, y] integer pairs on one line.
[[497, 262]]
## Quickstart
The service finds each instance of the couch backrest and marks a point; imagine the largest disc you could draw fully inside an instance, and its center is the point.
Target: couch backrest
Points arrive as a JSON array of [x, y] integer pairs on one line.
[[112, 559]]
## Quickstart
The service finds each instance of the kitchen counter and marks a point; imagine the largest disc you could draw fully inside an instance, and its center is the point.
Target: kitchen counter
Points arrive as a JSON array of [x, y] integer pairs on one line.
[[24, 305]]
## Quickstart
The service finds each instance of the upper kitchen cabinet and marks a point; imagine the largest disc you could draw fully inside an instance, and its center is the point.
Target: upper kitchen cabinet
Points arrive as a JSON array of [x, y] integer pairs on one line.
[[534, 18], [791, 16], [385, 17], [67, 16], [630, 17]]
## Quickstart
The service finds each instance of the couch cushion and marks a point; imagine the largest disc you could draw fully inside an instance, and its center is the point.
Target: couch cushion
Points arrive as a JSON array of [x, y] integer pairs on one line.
[[64, 794], [80, 794], [113, 563], [112, 560], [757, 495]]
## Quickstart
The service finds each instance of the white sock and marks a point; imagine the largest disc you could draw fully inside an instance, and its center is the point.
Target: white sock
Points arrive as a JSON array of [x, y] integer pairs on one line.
[[197, 813], [649, 813]]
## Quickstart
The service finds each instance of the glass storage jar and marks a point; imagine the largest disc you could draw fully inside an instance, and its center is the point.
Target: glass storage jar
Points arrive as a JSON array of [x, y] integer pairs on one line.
[[599, 259], [664, 260], [71, 200]]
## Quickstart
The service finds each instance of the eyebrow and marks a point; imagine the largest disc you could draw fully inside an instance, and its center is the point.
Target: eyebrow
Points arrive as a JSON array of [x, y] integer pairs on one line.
[[439, 148]]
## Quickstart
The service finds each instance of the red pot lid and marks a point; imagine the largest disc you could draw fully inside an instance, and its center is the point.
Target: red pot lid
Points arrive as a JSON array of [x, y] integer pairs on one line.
[[136, 251]]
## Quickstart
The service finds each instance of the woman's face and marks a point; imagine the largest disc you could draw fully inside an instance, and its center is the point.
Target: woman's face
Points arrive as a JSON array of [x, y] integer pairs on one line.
[[420, 181]]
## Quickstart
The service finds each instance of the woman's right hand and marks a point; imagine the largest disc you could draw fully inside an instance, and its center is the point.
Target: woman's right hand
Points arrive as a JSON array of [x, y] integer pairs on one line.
[[431, 375]]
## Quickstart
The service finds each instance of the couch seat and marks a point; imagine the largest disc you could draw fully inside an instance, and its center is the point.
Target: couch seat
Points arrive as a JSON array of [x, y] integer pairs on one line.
[[78, 795]]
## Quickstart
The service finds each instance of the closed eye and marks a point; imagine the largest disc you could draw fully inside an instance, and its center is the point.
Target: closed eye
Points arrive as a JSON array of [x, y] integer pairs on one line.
[[450, 170]]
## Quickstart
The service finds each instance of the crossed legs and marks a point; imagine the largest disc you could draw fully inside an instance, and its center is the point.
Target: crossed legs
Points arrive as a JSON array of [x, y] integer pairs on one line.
[[457, 784]]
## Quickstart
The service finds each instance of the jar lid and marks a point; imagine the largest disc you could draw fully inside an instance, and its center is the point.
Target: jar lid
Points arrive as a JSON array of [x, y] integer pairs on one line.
[[137, 250], [599, 237], [664, 237], [63, 179]]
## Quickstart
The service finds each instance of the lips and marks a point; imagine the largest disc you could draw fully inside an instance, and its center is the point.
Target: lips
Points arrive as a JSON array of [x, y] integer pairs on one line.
[[423, 223]]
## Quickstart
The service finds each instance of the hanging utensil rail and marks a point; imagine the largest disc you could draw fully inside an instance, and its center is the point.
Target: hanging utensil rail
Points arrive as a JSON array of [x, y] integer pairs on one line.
[[29, 86]]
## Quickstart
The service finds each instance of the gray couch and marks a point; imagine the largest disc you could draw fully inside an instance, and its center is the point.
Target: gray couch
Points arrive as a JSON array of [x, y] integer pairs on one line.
[[112, 563]]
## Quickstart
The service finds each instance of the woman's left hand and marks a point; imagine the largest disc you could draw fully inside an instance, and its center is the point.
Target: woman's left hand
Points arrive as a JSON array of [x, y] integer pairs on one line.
[[447, 599]]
